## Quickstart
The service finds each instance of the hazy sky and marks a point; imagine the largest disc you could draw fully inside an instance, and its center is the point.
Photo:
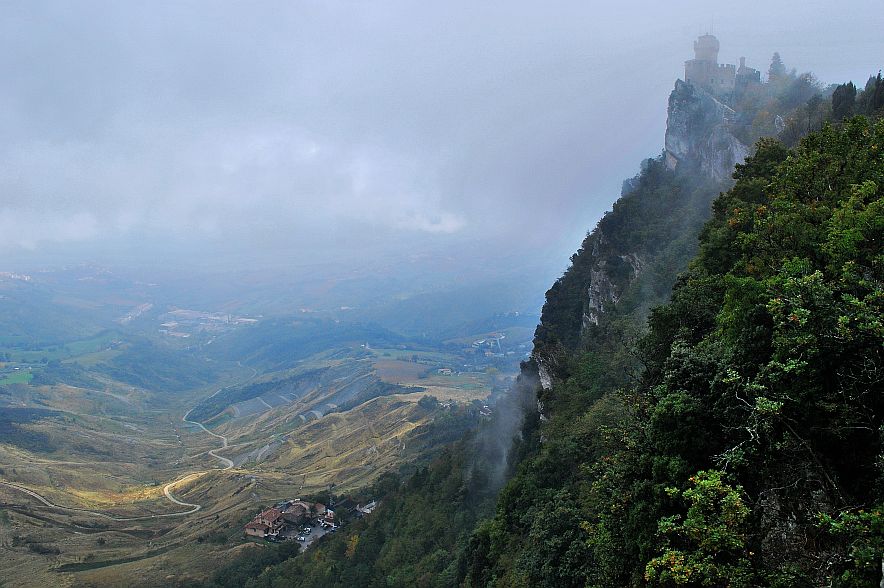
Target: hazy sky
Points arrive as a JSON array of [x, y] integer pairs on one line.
[[265, 126]]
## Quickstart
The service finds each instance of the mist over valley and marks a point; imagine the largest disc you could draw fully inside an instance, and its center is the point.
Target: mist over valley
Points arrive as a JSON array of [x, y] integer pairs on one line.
[[345, 294]]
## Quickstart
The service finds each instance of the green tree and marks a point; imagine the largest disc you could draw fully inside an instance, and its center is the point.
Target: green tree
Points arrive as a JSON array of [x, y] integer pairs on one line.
[[871, 101], [861, 532], [843, 101], [707, 545], [777, 70]]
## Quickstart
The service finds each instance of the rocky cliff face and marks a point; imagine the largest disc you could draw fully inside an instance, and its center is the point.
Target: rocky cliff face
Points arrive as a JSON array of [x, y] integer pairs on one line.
[[597, 280], [698, 133], [629, 262]]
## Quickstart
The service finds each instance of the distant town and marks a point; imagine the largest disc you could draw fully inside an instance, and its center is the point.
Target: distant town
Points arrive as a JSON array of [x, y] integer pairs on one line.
[[183, 323]]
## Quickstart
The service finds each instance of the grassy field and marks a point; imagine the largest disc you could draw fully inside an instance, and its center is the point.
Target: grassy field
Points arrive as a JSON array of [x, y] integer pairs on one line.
[[458, 386], [409, 355], [20, 377], [64, 351], [40, 547], [44, 547], [396, 371], [346, 449]]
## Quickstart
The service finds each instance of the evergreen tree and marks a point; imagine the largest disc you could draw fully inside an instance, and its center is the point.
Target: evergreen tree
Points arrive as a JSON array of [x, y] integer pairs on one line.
[[777, 70], [843, 101], [871, 101]]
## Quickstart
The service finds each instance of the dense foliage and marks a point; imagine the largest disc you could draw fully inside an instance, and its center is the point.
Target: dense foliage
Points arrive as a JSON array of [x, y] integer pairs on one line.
[[748, 453], [812, 111], [787, 103], [869, 102]]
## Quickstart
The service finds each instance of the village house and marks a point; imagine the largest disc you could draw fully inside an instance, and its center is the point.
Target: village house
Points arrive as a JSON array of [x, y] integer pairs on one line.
[[275, 522], [268, 523], [257, 529], [299, 511]]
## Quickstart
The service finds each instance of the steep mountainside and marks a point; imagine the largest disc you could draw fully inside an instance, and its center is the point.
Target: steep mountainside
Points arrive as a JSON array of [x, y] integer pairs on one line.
[[727, 457], [628, 264], [645, 459]]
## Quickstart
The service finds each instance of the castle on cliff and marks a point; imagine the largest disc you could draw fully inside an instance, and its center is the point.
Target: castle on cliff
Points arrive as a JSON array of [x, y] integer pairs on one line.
[[719, 79]]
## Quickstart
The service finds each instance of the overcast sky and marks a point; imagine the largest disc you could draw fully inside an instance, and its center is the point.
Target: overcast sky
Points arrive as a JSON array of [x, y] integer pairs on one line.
[[360, 125]]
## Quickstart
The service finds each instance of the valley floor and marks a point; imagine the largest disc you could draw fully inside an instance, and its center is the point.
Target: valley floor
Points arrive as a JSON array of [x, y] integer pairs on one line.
[[125, 494]]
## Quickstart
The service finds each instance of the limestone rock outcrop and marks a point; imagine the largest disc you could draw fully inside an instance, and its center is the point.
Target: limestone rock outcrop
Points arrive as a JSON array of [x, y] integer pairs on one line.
[[698, 132]]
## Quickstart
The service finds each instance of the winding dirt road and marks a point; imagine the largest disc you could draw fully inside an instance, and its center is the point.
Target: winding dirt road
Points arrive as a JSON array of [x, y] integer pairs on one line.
[[166, 490], [227, 463]]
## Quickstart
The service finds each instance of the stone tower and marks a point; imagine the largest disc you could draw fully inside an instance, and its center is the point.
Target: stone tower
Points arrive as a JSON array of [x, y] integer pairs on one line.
[[705, 72], [706, 48]]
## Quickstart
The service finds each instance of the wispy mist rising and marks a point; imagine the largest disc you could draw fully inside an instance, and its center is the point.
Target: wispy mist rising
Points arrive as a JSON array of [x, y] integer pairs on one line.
[[497, 440]]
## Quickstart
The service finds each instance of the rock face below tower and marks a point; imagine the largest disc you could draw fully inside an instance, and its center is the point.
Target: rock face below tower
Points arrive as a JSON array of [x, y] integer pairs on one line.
[[698, 133]]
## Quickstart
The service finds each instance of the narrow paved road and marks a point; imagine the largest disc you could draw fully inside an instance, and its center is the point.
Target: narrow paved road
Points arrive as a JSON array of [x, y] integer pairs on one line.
[[167, 490]]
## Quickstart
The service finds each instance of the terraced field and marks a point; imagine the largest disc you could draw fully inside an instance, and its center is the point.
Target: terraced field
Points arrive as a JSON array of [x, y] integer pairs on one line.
[[103, 486]]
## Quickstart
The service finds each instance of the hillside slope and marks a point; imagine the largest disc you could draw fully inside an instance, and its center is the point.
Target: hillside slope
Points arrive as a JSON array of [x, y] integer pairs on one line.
[[633, 468], [745, 453]]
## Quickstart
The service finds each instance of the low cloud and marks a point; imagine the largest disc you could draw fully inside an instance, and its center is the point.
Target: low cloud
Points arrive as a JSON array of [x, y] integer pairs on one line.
[[27, 230], [310, 124]]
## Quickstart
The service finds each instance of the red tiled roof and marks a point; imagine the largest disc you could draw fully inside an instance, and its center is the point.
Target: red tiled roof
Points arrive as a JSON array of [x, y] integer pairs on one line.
[[257, 525], [271, 515]]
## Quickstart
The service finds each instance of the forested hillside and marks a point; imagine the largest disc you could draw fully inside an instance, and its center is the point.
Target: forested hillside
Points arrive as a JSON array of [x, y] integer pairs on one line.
[[726, 436], [747, 453]]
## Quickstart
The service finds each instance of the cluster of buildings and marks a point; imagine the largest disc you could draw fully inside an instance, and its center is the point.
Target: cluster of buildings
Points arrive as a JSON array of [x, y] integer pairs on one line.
[[489, 344], [278, 521], [295, 519], [14, 276], [183, 323]]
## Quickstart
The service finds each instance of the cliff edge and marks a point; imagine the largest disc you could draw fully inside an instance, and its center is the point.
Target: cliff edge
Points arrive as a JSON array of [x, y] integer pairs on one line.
[[698, 132]]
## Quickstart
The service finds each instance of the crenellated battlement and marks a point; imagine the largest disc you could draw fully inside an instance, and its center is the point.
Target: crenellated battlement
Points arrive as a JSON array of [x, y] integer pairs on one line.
[[721, 79]]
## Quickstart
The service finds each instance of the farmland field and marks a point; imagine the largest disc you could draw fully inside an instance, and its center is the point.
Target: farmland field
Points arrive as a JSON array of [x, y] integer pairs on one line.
[[19, 377]]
